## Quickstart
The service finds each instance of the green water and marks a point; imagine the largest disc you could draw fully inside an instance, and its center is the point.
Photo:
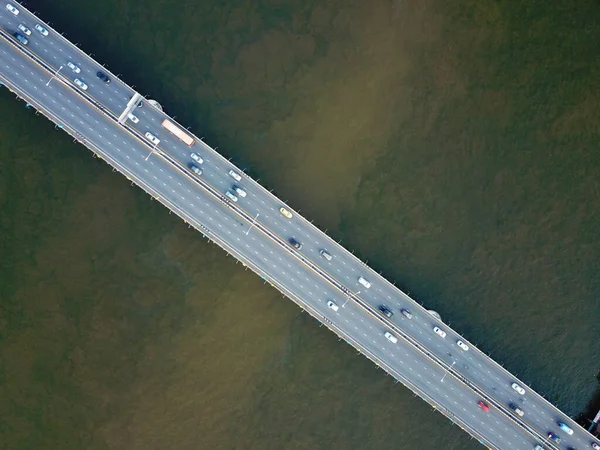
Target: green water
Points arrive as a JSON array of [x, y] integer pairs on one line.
[[453, 147]]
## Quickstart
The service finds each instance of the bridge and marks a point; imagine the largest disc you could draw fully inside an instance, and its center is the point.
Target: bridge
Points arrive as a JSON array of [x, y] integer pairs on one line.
[[112, 119]]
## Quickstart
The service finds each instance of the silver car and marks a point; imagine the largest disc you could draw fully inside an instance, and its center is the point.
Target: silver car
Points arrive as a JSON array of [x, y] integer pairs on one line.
[[152, 138], [332, 305], [41, 29], [196, 157], [24, 29], [74, 67], [325, 254], [364, 282], [197, 170], [239, 191], [231, 196], [12, 9], [81, 84], [518, 388], [236, 176]]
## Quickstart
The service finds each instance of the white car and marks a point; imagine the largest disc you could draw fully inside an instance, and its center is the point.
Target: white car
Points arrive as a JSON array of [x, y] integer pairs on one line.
[[518, 388], [236, 176], [390, 337], [595, 446], [152, 138], [325, 254], [41, 29], [12, 9], [364, 282], [439, 332], [81, 84], [133, 118], [74, 67], [240, 191], [231, 196], [196, 170], [464, 347], [332, 305], [196, 157], [24, 29]]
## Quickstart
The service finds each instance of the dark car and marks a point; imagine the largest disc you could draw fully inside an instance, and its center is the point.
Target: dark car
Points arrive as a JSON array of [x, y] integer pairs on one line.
[[22, 39], [386, 312], [103, 77], [295, 243], [554, 437]]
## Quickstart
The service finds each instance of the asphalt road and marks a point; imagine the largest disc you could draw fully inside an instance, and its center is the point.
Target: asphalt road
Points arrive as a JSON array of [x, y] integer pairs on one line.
[[291, 270]]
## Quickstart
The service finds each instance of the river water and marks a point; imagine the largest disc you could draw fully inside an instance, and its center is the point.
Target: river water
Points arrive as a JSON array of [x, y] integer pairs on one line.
[[453, 147]]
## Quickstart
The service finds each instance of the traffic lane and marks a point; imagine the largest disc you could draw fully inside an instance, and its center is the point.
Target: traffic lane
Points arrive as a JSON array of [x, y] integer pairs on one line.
[[451, 394], [56, 51]]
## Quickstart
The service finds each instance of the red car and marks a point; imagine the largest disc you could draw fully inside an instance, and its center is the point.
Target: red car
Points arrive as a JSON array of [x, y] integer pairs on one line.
[[484, 406]]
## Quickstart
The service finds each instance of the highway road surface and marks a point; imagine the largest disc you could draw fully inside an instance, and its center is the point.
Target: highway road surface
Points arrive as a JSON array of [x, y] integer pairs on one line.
[[254, 230]]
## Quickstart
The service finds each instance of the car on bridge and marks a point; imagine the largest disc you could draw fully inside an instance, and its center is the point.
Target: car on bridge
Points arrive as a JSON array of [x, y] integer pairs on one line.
[[82, 85], [325, 254], [285, 212], [390, 337], [386, 311], [239, 191], [439, 332], [484, 406], [406, 313], [566, 428], [152, 138], [553, 437], [22, 39], [464, 347], [332, 305], [236, 176], [74, 67], [41, 29], [197, 170], [518, 388], [12, 9], [103, 77], [196, 157], [297, 245], [231, 196], [24, 29], [364, 282], [516, 409], [133, 118], [595, 446]]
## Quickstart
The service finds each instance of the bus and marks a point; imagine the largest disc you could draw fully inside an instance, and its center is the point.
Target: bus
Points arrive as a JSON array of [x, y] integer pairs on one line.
[[178, 133]]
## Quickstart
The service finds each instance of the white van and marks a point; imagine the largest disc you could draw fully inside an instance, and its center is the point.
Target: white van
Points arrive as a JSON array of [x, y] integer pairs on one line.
[[390, 337], [364, 282]]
